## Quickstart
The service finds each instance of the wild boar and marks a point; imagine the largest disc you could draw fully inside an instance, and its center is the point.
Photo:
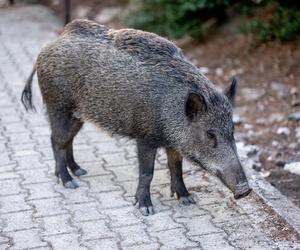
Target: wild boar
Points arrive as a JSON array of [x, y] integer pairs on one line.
[[139, 85]]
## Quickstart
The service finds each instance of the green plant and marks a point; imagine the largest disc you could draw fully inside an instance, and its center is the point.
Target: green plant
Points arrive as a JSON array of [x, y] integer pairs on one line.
[[266, 19], [175, 18], [282, 24]]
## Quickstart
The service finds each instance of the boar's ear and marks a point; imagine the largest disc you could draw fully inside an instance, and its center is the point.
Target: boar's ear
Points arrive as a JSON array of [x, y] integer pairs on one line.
[[194, 105], [231, 90]]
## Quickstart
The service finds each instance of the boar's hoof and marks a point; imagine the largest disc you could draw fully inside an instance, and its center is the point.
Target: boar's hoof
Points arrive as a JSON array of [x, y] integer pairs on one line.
[[186, 200], [147, 210], [71, 184], [79, 172]]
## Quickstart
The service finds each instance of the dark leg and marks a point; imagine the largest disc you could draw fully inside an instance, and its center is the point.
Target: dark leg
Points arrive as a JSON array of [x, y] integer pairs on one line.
[[64, 127], [73, 166], [177, 183], [146, 157], [11, 2]]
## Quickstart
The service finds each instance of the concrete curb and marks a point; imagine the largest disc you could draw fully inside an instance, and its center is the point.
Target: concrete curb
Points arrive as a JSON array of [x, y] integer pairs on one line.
[[269, 194]]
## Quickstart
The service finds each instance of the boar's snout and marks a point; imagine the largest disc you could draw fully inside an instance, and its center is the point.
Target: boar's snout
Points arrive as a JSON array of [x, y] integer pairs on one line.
[[242, 190], [234, 178]]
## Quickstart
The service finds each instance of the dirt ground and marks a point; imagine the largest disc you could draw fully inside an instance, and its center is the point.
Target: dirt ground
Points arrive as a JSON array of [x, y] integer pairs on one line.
[[269, 90]]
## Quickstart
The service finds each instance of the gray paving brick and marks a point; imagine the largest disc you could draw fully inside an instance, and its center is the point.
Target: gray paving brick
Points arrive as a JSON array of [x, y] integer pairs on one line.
[[29, 163], [56, 224], [173, 239], [41, 190], [4, 156], [13, 203], [85, 212], [102, 183], [95, 230], [48, 207], [18, 221], [65, 241], [112, 199], [15, 128], [34, 175], [133, 235], [216, 241], [9, 187], [161, 221], [80, 195], [6, 174], [122, 216], [199, 225], [126, 173], [117, 159], [26, 239], [20, 138], [94, 168], [100, 244], [151, 246]]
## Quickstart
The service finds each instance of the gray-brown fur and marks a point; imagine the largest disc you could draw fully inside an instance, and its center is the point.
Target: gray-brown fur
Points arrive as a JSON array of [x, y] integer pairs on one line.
[[139, 85]]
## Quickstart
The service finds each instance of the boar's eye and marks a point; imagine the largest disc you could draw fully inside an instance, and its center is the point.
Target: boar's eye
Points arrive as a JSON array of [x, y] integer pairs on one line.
[[211, 135]]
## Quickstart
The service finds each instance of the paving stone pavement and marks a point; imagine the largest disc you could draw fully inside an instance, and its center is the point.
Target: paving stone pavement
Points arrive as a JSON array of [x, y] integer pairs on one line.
[[36, 212]]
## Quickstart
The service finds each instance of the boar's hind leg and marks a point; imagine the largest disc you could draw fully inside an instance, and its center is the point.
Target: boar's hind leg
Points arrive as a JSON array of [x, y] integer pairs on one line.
[[177, 183], [64, 127], [75, 168], [146, 158]]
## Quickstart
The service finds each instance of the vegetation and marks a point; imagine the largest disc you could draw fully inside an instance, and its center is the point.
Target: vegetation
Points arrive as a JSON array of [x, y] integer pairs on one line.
[[266, 19]]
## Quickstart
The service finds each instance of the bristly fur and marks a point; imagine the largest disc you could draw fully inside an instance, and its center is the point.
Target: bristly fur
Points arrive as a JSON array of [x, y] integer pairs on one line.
[[129, 82]]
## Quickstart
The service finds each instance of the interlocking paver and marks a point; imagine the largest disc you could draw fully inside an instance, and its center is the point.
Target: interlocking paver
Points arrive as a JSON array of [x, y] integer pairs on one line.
[[65, 241], [25, 239], [48, 207], [36, 212], [56, 224], [13, 203], [97, 229]]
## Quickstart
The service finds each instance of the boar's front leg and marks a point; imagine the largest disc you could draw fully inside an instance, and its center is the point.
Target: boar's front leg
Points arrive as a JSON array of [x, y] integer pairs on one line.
[[177, 184], [146, 158]]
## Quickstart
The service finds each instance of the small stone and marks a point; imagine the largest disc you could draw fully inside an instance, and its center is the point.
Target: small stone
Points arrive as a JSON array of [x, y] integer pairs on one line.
[[219, 71], [265, 174], [203, 70], [252, 94], [252, 150], [257, 167], [275, 143], [283, 131], [236, 72], [295, 101], [277, 117], [261, 121], [294, 116], [248, 126], [280, 163], [297, 130], [294, 91], [293, 145], [293, 167], [236, 119], [281, 89]]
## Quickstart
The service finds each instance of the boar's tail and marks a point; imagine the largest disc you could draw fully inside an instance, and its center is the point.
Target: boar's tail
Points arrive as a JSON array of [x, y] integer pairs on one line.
[[26, 97]]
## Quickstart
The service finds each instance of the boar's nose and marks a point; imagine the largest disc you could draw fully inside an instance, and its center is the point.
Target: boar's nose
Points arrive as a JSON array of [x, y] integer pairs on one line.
[[242, 190]]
